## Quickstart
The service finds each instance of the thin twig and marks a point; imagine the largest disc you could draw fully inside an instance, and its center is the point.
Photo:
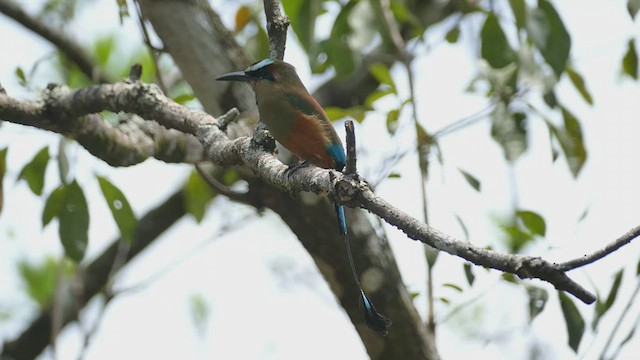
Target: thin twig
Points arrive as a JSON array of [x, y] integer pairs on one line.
[[597, 255], [153, 50], [623, 315], [222, 189], [352, 156]]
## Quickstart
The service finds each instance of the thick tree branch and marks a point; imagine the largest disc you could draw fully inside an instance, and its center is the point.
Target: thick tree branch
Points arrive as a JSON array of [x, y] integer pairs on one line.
[[68, 46], [148, 102], [127, 143]]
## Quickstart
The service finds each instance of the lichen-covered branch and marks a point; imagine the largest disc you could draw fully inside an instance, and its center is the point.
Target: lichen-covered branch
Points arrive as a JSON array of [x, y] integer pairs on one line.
[[277, 25], [148, 102]]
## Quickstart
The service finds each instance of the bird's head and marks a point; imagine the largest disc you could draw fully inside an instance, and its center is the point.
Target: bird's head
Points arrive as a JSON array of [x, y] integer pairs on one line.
[[270, 72]]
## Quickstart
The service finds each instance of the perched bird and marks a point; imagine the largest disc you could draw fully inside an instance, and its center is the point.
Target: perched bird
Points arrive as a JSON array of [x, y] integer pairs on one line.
[[298, 122]]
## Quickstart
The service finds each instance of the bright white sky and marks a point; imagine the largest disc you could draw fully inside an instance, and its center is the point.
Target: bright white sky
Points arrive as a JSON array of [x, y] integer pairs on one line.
[[262, 263]]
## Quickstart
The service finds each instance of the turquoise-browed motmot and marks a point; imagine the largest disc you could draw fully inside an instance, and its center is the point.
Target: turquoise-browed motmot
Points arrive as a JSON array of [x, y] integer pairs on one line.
[[298, 122]]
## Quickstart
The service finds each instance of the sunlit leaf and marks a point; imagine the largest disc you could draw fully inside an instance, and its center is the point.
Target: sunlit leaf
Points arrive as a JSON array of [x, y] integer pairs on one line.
[[630, 60], [103, 48], [74, 222], [33, 173], [573, 320], [494, 47], [120, 209], [578, 81], [381, 73], [548, 33], [533, 222], [537, 300], [184, 98], [243, 17], [22, 78], [197, 194], [471, 180], [392, 121]]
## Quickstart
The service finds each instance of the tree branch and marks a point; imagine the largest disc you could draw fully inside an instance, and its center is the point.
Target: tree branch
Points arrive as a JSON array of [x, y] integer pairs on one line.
[[597, 255], [277, 25], [148, 102]]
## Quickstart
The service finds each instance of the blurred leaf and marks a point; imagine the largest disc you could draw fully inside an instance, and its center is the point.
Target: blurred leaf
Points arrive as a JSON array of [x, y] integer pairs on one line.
[[377, 94], [3, 170], [63, 160], [197, 194], [510, 131], [533, 222], [453, 35], [392, 121], [381, 73], [339, 52], [464, 227], [509, 277], [630, 60], [243, 17], [424, 147], [445, 300], [468, 273], [184, 98], [54, 204], [537, 300], [548, 33], [495, 48], [394, 175], [550, 99], [453, 286], [103, 48], [258, 45], [431, 255], [303, 15], [572, 143], [573, 319], [633, 6], [336, 113], [74, 222], [578, 81], [39, 279], [472, 180], [199, 309], [120, 209], [603, 307], [519, 9], [515, 237], [33, 173], [22, 78]]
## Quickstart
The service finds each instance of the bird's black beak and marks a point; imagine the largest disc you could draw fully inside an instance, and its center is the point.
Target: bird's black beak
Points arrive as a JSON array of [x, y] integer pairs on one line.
[[236, 76]]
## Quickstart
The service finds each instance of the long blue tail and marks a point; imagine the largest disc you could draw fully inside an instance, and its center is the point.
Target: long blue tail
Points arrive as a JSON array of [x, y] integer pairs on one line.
[[372, 317]]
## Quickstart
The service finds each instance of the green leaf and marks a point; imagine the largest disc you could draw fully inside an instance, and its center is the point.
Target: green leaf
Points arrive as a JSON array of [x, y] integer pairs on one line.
[[120, 209], [3, 170], [633, 6], [197, 194], [519, 9], [573, 320], [510, 131], [453, 286], [392, 121], [54, 204], [573, 144], [338, 51], [630, 60], [537, 300], [578, 81], [472, 180], [453, 35], [463, 226], [468, 273], [33, 173], [603, 307], [495, 48], [184, 98], [39, 279], [381, 73], [103, 48], [303, 15], [22, 78], [548, 33], [377, 94], [533, 222], [199, 309], [74, 222]]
